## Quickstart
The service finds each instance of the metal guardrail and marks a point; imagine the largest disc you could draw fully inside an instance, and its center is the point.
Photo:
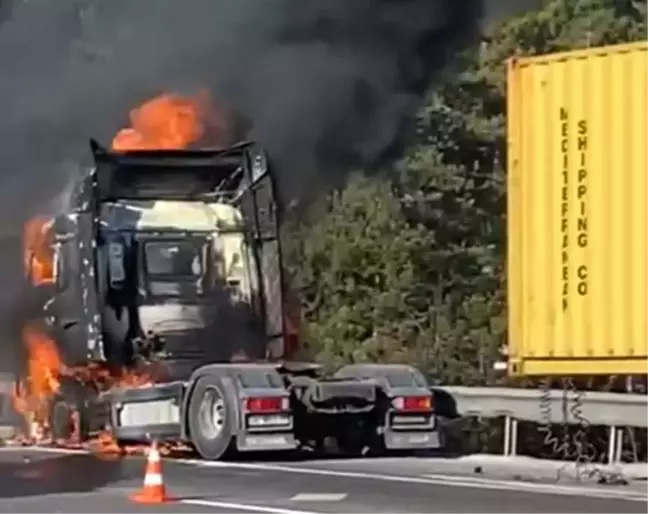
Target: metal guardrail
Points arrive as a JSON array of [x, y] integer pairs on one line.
[[606, 409], [613, 410]]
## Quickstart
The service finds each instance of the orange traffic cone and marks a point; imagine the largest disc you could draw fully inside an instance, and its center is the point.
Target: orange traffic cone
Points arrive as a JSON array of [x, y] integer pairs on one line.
[[153, 490]]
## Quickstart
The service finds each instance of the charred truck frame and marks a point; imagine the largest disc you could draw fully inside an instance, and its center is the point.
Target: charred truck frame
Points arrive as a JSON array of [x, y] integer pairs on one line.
[[172, 259]]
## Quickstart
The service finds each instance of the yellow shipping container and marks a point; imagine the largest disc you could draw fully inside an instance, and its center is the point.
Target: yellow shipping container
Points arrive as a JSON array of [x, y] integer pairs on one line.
[[578, 211]]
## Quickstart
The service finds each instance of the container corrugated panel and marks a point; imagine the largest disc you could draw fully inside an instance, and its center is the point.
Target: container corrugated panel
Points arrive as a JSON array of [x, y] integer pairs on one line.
[[577, 212]]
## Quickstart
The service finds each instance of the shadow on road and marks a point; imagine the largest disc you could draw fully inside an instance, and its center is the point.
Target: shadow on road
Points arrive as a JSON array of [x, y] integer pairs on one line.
[[63, 474]]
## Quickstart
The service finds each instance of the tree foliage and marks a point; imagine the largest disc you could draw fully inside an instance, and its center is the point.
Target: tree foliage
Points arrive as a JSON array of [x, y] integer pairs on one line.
[[409, 266]]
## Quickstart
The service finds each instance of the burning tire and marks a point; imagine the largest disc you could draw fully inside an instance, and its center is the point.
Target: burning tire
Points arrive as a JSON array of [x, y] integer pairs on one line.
[[211, 418], [61, 422], [69, 416]]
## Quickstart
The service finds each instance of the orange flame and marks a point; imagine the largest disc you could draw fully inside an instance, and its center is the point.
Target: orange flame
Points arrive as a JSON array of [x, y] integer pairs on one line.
[[37, 251], [166, 122], [44, 367], [44, 363]]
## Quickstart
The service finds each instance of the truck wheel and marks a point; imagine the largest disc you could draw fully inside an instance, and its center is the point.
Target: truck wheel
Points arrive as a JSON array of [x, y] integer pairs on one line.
[[210, 419], [60, 420], [63, 406]]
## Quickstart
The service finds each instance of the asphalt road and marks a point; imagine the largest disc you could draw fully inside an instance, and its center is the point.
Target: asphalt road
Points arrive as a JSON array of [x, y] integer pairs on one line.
[[52, 481]]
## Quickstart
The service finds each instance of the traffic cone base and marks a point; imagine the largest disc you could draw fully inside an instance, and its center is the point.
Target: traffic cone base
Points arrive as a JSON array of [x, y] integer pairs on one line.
[[153, 490]]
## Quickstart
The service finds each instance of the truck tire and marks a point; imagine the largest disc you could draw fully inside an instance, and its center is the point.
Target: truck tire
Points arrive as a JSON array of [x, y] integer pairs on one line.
[[60, 419], [71, 400], [211, 417]]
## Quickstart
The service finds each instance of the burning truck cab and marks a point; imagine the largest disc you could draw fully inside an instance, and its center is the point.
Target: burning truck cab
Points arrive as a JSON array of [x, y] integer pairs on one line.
[[158, 252], [167, 304], [173, 275]]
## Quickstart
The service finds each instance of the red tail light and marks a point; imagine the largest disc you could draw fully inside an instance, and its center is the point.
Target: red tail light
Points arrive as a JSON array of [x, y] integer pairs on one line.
[[263, 405], [412, 403]]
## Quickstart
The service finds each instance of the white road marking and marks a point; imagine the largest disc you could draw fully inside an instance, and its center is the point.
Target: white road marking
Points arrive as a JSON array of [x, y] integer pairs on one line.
[[43, 449], [430, 479], [244, 506], [319, 497], [538, 488], [447, 480]]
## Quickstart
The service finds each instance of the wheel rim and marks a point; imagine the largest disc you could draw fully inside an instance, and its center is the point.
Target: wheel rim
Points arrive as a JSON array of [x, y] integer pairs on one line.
[[211, 418]]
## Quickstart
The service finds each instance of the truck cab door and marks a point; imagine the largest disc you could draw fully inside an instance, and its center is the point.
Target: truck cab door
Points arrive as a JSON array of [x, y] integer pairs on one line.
[[83, 220], [259, 206], [62, 311]]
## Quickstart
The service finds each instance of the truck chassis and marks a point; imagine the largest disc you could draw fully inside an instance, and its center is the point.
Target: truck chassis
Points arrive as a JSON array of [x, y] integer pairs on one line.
[[224, 408]]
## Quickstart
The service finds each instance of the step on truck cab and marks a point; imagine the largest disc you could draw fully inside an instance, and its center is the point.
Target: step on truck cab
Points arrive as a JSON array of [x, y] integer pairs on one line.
[[167, 267]]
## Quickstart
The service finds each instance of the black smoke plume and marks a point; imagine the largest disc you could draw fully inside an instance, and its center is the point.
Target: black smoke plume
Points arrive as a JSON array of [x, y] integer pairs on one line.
[[325, 85]]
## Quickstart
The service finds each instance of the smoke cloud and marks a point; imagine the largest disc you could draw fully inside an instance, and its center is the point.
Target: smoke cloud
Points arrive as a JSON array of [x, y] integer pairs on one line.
[[324, 85]]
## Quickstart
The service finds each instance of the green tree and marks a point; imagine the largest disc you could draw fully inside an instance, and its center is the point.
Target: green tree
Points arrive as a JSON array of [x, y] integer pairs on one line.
[[413, 268], [356, 269], [561, 25]]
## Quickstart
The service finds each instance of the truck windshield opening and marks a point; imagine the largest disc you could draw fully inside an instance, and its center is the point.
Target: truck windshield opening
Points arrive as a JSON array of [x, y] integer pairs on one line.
[[173, 260]]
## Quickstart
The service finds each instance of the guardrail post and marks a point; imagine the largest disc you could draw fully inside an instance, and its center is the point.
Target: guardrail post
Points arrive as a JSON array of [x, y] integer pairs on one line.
[[619, 445], [510, 436], [615, 445]]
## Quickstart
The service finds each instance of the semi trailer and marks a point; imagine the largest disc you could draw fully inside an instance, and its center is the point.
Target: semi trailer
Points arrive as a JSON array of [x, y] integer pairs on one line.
[[577, 213], [167, 265]]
